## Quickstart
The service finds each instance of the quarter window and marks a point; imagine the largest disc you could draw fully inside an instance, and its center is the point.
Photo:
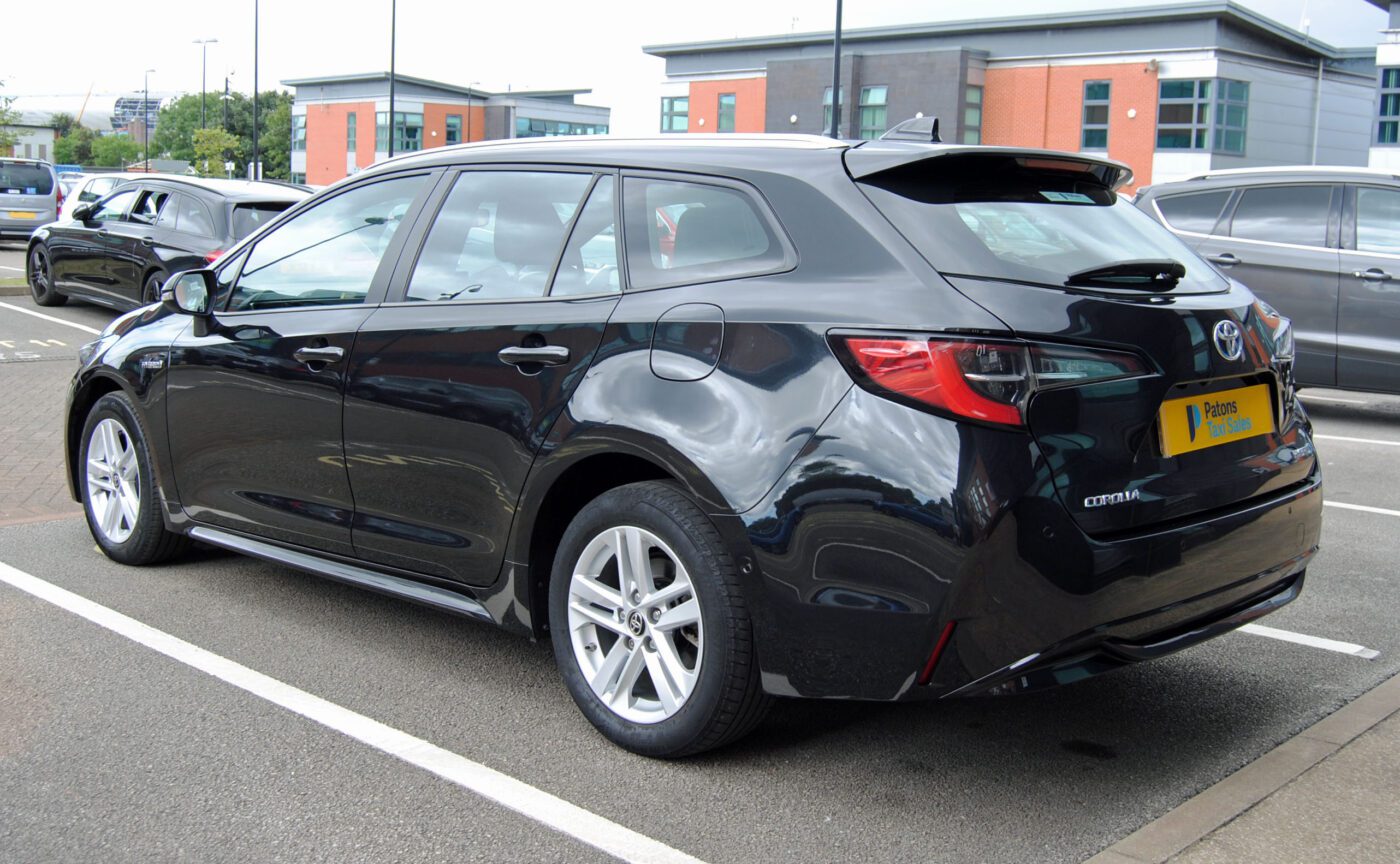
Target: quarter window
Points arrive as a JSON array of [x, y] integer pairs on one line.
[[1096, 104], [681, 233], [1388, 132], [1284, 214], [1378, 220], [727, 106], [328, 254], [872, 111], [1197, 212], [194, 218], [497, 236], [675, 113]]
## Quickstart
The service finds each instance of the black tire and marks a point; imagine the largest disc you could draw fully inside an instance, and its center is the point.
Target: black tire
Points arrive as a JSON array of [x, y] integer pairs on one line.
[[150, 292], [726, 701], [144, 539], [41, 279]]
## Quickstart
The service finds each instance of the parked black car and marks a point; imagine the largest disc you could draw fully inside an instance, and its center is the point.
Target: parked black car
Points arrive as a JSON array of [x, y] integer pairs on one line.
[[118, 251], [884, 421], [1320, 244]]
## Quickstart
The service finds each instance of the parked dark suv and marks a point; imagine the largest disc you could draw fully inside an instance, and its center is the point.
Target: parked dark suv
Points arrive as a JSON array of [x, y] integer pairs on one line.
[[1320, 244], [119, 250], [886, 421]]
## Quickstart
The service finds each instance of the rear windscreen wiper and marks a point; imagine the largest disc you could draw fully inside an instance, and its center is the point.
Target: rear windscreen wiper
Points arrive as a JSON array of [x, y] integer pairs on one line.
[[1145, 275]]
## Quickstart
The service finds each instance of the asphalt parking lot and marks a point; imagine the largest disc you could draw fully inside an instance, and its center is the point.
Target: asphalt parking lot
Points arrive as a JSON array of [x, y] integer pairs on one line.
[[111, 750]]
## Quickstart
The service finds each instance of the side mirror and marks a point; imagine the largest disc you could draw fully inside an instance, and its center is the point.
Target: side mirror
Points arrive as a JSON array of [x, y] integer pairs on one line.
[[82, 213], [190, 292]]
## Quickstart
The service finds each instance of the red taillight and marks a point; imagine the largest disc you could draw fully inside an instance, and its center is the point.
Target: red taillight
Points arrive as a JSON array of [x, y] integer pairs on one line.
[[211, 257], [58, 205], [943, 638], [981, 380]]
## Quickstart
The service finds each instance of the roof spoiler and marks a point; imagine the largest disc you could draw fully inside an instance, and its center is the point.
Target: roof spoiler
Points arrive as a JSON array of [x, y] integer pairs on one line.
[[924, 129], [873, 157]]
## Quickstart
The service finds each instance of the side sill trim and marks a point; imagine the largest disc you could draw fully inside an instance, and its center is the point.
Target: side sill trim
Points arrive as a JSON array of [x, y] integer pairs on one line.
[[360, 577]]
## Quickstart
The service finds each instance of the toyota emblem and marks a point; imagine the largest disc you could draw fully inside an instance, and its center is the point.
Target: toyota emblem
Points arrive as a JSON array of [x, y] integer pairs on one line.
[[1228, 340]]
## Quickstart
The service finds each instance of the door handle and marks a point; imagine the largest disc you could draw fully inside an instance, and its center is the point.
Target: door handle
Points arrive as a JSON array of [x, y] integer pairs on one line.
[[103, 232], [1225, 259], [328, 354], [546, 355], [148, 240], [1375, 274]]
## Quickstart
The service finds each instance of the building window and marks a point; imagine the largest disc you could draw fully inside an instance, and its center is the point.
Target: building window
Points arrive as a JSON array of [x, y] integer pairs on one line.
[[1202, 115], [1095, 131], [826, 107], [872, 111], [454, 129], [351, 133], [1389, 131], [530, 127], [727, 104], [675, 113], [972, 115], [408, 132], [298, 177], [298, 131]]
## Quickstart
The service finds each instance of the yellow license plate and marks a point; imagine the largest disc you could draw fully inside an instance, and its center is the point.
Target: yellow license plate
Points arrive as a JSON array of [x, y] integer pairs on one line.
[[1198, 422], [22, 214]]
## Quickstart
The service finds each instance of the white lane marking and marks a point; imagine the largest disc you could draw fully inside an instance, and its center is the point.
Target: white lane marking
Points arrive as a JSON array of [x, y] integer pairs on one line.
[[82, 327], [1357, 440], [1362, 507], [554, 812], [1312, 641], [1311, 398], [8, 267]]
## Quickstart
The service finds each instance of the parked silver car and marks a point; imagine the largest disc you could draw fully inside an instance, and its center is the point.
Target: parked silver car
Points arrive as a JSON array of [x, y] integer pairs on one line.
[[29, 197], [1322, 245]]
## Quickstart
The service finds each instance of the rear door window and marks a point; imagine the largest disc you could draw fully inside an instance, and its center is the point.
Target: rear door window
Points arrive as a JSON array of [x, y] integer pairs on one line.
[[1284, 214], [1197, 212], [1378, 220], [24, 178], [148, 208], [682, 232], [497, 236]]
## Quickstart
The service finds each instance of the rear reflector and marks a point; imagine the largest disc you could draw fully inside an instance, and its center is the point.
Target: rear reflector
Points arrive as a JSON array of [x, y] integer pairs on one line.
[[938, 647]]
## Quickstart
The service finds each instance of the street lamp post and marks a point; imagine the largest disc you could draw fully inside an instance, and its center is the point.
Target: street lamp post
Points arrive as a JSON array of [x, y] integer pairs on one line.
[[146, 114], [469, 110], [836, 77], [257, 173], [203, 73]]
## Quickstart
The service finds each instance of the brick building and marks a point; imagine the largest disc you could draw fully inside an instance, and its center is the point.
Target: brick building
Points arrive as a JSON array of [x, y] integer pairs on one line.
[[340, 124], [1170, 90]]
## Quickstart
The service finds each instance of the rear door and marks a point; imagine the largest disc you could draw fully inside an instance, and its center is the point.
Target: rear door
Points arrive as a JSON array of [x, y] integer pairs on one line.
[[133, 242], [1368, 318], [1281, 242], [454, 386]]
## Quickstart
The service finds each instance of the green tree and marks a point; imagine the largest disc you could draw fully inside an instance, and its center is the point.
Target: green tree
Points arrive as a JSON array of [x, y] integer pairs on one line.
[[174, 137], [114, 151], [176, 125], [8, 116], [240, 117], [276, 142], [211, 148], [62, 123], [75, 148]]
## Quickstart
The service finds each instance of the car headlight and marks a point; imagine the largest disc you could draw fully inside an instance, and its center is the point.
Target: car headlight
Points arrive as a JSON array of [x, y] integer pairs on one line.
[[1276, 329], [95, 348]]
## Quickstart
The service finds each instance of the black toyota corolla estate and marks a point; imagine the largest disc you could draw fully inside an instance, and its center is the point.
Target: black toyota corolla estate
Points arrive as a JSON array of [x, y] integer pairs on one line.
[[726, 418]]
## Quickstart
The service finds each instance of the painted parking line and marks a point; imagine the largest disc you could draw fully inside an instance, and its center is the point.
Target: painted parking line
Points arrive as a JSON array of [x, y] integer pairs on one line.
[[7, 267], [1312, 641], [73, 324], [1311, 398], [535, 804], [1361, 507], [1378, 441]]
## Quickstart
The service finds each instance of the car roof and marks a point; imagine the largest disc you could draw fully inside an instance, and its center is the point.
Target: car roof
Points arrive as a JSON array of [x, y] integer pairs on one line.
[[1231, 177], [233, 190]]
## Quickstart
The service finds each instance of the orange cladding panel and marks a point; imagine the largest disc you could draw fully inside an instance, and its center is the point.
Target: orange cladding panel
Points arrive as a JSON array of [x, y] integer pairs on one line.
[[326, 139], [750, 96]]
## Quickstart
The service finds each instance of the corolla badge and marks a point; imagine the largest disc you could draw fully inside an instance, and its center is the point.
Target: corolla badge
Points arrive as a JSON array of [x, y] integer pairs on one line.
[[1112, 498], [1228, 340]]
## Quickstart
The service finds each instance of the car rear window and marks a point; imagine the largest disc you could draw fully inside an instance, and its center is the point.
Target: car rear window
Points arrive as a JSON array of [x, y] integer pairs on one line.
[[1001, 216], [23, 178], [1197, 212], [248, 218]]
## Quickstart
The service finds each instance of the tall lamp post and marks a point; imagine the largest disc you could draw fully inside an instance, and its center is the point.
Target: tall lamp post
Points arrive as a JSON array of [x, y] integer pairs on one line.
[[836, 77], [469, 110], [203, 73], [146, 114], [256, 169]]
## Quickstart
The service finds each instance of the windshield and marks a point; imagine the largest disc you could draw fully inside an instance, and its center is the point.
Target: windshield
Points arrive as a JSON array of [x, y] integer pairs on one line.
[[992, 216], [248, 218], [23, 178]]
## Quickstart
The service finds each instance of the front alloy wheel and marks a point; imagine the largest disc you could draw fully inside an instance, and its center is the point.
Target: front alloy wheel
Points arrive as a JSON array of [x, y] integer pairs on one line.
[[41, 279], [113, 482]]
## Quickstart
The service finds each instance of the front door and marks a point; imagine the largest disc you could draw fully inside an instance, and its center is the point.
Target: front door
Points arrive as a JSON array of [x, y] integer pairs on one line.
[[453, 389], [254, 399], [78, 250], [1368, 315]]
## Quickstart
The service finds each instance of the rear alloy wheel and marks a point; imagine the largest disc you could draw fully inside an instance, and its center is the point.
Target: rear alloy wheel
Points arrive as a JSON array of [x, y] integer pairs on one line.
[[151, 293], [41, 279], [649, 625], [119, 497]]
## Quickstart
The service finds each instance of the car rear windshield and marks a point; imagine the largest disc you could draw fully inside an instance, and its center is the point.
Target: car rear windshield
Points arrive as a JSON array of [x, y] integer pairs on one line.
[[248, 218], [23, 178], [1024, 219]]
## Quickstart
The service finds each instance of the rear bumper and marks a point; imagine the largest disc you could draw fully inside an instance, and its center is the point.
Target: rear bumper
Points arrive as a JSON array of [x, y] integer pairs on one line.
[[896, 522]]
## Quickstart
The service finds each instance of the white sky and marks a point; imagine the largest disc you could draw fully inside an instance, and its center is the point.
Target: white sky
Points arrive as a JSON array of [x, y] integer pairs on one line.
[[526, 44]]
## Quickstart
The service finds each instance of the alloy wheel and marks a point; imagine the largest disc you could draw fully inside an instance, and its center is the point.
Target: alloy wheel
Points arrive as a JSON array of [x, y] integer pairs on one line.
[[39, 272], [113, 480], [635, 624]]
